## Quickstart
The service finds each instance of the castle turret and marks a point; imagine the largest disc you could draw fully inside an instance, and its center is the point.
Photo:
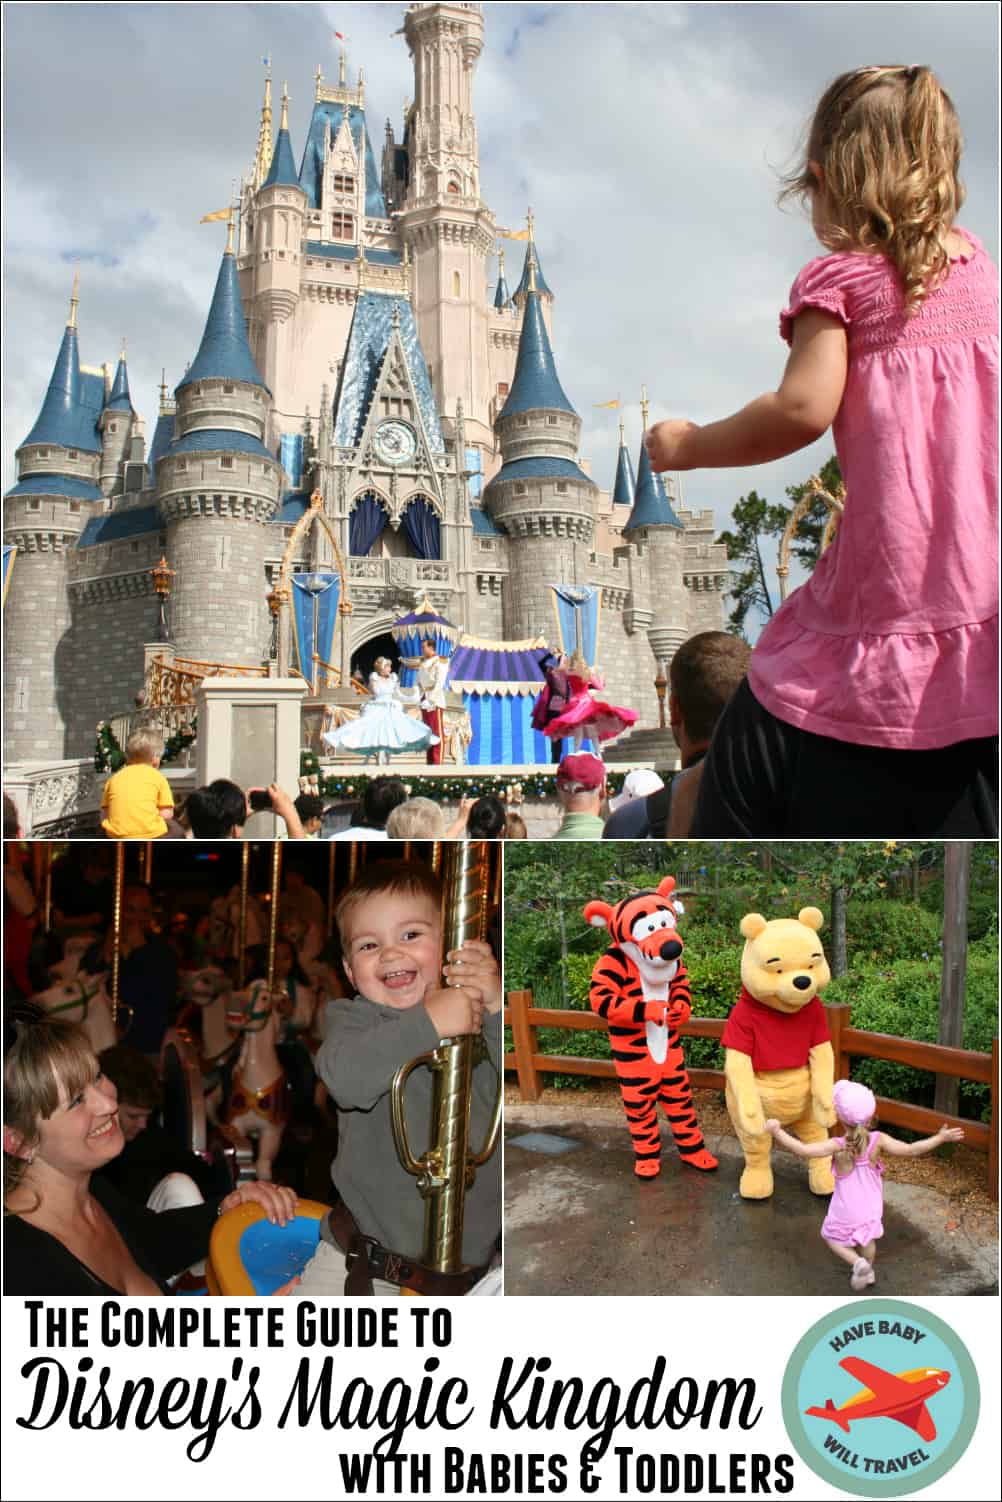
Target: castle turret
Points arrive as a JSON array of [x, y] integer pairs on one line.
[[218, 485], [540, 497], [116, 426], [449, 230], [656, 531], [502, 297], [279, 212], [44, 514]]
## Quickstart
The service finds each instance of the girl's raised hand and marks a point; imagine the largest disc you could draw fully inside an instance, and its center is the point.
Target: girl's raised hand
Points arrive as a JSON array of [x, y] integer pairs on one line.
[[666, 444], [950, 1134]]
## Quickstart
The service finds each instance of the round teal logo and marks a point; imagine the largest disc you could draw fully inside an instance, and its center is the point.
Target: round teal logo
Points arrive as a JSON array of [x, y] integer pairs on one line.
[[880, 1398]]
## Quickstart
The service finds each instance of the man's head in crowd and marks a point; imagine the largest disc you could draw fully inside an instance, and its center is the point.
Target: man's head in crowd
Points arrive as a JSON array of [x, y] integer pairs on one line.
[[703, 675], [310, 809], [581, 783], [380, 798], [217, 812]]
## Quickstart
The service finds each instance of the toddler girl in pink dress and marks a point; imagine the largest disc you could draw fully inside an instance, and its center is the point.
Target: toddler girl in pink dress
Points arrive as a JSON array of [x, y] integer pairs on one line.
[[855, 1212], [870, 706]]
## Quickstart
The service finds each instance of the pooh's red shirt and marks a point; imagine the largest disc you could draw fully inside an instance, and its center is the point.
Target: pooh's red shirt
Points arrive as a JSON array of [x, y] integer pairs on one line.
[[775, 1040]]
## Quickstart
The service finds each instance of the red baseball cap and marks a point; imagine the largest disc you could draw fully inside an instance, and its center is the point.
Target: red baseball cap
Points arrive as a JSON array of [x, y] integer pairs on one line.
[[583, 768]]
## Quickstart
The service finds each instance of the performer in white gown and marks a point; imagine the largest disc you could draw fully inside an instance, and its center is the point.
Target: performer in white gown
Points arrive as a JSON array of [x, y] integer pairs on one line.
[[383, 729]]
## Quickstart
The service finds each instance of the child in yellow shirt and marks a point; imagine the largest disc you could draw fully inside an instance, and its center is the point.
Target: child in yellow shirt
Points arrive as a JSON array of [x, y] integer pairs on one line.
[[137, 799]]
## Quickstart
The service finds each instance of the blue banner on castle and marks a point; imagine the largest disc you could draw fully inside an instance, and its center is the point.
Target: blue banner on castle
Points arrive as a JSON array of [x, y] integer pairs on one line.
[[315, 600], [578, 608], [9, 554]]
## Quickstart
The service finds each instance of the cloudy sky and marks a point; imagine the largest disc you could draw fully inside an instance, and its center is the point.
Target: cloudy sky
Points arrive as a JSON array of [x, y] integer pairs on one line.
[[646, 137]]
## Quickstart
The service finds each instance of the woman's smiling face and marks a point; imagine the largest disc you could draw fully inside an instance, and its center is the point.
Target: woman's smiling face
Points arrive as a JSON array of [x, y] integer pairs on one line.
[[83, 1133], [393, 951]]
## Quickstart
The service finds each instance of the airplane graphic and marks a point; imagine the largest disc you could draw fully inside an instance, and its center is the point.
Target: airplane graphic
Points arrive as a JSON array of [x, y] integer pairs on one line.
[[887, 1395]]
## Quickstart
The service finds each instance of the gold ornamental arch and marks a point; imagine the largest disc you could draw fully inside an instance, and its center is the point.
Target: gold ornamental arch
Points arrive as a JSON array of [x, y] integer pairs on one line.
[[281, 596], [835, 503]]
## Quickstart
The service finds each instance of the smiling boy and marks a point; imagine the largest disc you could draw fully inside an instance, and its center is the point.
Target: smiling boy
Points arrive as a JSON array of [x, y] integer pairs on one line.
[[390, 923]]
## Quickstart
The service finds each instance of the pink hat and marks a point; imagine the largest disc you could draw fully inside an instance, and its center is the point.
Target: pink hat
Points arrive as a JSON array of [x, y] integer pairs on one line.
[[854, 1103], [581, 771]]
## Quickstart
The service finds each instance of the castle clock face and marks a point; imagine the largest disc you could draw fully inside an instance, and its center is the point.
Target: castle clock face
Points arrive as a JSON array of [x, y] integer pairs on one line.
[[395, 442]]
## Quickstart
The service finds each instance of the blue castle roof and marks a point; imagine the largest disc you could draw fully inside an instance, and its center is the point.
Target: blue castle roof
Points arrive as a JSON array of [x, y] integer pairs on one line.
[[120, 400], [535, 383], [371, 330], [327, 116], [624, 491], [163, 437], [68, 416], [651, 508], [283, 164], [523, 287], [541, 467], [502, 297], [116, 525], [483, 525], [294, 504], [220, 440], [63, 485], [224, 351]]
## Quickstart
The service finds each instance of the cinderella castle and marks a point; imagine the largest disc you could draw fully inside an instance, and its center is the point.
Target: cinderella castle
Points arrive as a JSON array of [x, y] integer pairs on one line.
[[369, 398]]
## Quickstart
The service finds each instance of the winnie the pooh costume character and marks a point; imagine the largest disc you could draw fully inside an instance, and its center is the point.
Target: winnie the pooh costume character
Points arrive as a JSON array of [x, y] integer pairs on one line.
[[641, 988], [778, 1059]]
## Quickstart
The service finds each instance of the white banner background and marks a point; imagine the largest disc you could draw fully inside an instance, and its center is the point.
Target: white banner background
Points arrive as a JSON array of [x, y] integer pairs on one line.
[[588, 1338]]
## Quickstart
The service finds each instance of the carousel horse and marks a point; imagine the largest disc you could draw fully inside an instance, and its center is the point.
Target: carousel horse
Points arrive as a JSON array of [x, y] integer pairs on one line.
[[84, 999], [209, 991], [259, 1102]]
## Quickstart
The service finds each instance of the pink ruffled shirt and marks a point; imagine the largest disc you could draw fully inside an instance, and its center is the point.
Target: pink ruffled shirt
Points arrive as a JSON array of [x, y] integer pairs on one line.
[[893, 641]]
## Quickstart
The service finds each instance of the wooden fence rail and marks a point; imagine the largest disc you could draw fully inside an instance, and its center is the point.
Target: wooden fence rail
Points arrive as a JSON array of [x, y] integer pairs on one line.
[[848, 1042]]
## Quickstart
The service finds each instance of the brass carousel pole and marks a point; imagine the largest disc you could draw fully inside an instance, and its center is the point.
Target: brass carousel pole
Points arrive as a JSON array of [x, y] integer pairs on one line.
[[276, 892], [116, 927], [148, 864], [245, 850], [447, 1168]]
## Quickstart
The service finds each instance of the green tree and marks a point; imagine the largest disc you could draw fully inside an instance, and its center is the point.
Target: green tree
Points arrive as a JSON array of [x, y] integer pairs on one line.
[[752, 520], [806, 545]]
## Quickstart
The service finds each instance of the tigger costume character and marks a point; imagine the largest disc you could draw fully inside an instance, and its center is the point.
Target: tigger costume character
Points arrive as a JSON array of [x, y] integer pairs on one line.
[[641, 988]]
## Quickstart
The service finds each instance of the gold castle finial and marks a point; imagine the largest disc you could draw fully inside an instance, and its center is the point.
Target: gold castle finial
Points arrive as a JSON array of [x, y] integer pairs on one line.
[[531, 285], [121, 355], [71, 322], [341, 72], [500, 262], [229, 234], [644, 407], [163, 387], [622, 433], [530, 220], [285, 107], [265, 147], [319, 80]]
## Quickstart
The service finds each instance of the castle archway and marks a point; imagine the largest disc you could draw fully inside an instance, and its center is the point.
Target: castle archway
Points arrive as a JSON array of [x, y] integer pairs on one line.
[[364, 657]]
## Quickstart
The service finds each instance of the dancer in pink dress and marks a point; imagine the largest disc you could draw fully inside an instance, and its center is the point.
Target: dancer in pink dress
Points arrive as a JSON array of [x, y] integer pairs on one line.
[[855, 1213], [585, 717]]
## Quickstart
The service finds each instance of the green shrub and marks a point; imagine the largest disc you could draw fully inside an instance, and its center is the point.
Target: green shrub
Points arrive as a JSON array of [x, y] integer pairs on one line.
[[884, 932], [904, 1000]]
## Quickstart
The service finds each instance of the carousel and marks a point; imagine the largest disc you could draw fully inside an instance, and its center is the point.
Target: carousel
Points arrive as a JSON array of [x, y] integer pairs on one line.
[[228, 1076]]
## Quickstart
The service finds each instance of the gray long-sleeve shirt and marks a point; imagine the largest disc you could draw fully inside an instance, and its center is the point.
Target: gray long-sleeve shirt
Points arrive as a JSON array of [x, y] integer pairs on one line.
[[364, 1046]]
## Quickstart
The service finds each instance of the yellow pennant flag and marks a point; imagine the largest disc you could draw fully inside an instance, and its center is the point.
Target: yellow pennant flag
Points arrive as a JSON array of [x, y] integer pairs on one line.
[[514, 234], [604, 405], [219, 214]]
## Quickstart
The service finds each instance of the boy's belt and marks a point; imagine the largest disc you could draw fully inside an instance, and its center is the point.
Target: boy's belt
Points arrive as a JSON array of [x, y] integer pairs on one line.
[[366, 1259]]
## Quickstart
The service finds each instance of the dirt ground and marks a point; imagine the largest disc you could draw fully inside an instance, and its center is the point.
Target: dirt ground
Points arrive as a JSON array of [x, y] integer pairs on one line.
[[959, 1173]]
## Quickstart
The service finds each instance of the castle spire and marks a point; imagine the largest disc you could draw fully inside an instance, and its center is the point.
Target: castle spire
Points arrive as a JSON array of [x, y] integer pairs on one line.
[[64, 420], [625, 487], [71, 322], [651, 506], [502, 297], [282, 168], [264, 143], [224, 351], [120, 399], [535, 383]]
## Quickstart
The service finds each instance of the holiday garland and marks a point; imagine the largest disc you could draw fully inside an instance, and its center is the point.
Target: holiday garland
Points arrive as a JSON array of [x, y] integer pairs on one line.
[[516, 788], [109, 756]]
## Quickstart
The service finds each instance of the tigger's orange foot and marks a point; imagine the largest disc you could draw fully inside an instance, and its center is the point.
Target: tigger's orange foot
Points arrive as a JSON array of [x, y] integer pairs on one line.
[[703, 1159], [647, 1168]]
